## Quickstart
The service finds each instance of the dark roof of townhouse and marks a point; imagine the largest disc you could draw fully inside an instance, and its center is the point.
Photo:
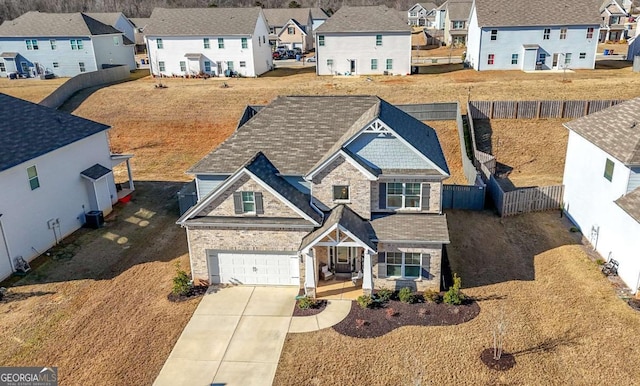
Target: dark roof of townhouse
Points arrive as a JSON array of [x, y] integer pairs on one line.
[[515, 13], [35, 24], [29, 130], [277, 17], [297, 133], [202, 21], [365, 19], [459, 9], [630, 203], [346, 218], [108, 18], [615, 130], [95, 172], [424, 227], [319, 14]]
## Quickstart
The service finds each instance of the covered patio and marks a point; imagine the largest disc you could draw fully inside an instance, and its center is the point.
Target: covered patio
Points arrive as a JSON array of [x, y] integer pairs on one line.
[[338, 288]]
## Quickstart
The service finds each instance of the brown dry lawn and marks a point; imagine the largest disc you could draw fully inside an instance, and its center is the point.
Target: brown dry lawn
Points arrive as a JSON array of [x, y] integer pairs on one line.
[[565, 323], [33, 90]]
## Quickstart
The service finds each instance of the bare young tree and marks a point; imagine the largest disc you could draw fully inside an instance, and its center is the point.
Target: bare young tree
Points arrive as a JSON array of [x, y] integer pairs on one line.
[[499, 332]]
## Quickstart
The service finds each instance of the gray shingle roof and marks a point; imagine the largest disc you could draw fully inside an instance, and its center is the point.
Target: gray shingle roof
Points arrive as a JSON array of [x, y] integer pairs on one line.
[[349, 220], [513, 13], [459, 9], [615, 130], [35, 24], [428, 6], [108, 18], [411, 227], [95, 172], [248, 222], [630, 203], [202, 21], [319, 14], [28, 130], [365, 19], [140, 22], [277, 17]]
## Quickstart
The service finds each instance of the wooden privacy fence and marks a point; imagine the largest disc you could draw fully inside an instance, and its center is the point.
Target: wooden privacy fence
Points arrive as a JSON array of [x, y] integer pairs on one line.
[[536, 109], [468, 166], [470, 197]]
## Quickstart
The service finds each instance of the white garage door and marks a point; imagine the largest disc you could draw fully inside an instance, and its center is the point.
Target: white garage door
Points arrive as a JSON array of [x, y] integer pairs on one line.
[[277, 268]]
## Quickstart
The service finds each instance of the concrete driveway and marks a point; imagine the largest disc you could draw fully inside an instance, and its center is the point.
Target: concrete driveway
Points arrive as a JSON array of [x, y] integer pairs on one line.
[[234, 338]]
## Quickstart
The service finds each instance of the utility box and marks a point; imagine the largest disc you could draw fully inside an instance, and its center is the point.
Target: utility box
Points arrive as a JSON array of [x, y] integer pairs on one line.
[[636, 63], [95, 219]]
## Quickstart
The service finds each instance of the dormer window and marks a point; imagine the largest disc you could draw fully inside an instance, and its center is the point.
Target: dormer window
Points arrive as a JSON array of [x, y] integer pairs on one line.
[[341, 193]]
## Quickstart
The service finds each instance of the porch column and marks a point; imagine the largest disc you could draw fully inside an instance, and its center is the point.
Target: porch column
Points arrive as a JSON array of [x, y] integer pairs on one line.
[[130, 175], [309, 275], [367, 274]]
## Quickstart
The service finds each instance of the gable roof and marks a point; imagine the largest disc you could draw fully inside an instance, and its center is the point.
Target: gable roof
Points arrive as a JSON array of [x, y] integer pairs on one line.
[[364, 19], [108, 18], [515, 13], [615, 130], [32, 24], [459, 9], [319, 14], [294, 22], [202, 21], [428, 6], [606, 4], [140, 22], [348, 220], [630, 203], [277, 17], [29, 130]]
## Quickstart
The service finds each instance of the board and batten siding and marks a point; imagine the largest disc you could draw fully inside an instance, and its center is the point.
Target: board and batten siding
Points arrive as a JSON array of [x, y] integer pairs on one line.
[[634, 178]]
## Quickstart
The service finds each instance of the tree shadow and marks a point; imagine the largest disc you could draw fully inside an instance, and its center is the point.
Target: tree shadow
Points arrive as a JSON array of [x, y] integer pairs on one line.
[[612, 64], [551, 344], [433, 69], [12, 296], [281, 72]]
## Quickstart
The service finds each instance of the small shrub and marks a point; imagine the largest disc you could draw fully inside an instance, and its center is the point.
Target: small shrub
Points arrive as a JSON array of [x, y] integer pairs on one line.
[[306, 302], [406, 295], [181, 282], [432, 296], [600, 261], [364, 301], [390, 312], [454, 296], [384, 294]]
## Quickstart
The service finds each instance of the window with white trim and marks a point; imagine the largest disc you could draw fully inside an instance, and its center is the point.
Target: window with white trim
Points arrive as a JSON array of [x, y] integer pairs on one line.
[[321, 40], [403, 195], [32, 173], [546, 34], [374, 64], [82, 67], [340, 192], [458, 24], [243, 64], [2, 67], [159, 44], [206, 43], [563, 33], [245, 44], [590, 33], [32, 44], [514, 58], [404, 264], [207, 66], [491, 58], [378, 40], [389, 64], [220, 42], [53, 44], [567, 58], [248, 202], [291, 31], [608, 169], [183, 66], [494, 34], [161, 66]]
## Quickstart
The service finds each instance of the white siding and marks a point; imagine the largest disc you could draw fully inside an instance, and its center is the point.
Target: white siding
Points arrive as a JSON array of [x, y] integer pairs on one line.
[[205, 184], [473, 40], [259, 44], [124, 25], [362, 48], [107, 52], [62, 194], [634, 179]]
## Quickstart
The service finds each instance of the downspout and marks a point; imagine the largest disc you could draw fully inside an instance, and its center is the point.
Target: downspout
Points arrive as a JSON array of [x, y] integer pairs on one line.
[[6, 246]]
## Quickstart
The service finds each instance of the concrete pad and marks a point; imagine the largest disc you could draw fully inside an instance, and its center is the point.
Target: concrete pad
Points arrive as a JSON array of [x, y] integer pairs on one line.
[[225, 301], [258, 339], [187, 372], [303, 324], [335, 312], [272, 301], [205, 337], [245, 374]]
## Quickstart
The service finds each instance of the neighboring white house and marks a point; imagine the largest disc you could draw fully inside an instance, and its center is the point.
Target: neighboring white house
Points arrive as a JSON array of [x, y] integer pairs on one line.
[[318, 16], [54, 168], [214, 41], [118, 21], [602, 184], [65, 44], [634, 46], [421, 15], [364, 41], [543, 35]]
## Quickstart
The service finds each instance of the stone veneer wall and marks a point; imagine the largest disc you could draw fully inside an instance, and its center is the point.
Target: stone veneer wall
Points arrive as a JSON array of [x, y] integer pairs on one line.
[[434, 198], [432, 266]]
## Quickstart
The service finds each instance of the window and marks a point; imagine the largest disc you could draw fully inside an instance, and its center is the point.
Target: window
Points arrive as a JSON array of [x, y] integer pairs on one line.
[[207, 66], [53, 44], [56, 64], [413, 13], [378, 40], [220, 43], [590, 33], [243, 64], [206, 43], [159, 44], [583, 55], [183, 66], [291, 31], [230, 65], [161, 66], [245, 44], [614, 20], [403, 264], [514, 58], [2, 67], [116, 40], [74, 44], [546, 34], [329, 62], [374, 64], [542, 57], [490, 58], [248, 202], [608, 169], [32, 173], [389, 64], [79, 44], [82, 68], [567, 58], [563, 33], [494, 34], [24, 66], [403, 195], [263, 39], [32, 44], [321, 40], [340, 192], [460, 25]]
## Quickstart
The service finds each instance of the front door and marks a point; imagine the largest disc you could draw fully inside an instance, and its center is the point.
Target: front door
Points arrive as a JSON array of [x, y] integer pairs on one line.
[[342, 258], [555, 61], [353, 67]]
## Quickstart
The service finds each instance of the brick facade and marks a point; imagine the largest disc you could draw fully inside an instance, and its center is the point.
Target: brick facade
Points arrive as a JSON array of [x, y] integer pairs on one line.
[[431, 265]]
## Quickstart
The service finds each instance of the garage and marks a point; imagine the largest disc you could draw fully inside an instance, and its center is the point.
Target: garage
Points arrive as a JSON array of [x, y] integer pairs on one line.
[[254, 268]]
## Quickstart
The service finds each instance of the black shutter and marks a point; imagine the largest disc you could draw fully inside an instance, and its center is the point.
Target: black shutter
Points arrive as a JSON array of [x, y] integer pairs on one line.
[[237, 202], [382, 187], [426, 195], [382, 257], [259, 207]]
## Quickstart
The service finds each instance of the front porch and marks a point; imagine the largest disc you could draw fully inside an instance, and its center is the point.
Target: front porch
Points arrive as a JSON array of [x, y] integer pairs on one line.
[[338, 288]]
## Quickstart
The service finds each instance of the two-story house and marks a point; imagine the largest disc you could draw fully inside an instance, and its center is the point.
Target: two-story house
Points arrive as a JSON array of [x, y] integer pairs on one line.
[[348, 183], [295, 35], [543, 35], [63, 44], [421, 15], [614, 22], [602, 184], [55, 169], [214, 41], [456, 22], [364, 41], [290, 27]]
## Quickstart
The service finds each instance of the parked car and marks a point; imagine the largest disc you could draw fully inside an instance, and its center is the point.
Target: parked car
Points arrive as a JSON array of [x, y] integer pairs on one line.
[[290, 54], [311, 59], [276, 55], [297, 50]]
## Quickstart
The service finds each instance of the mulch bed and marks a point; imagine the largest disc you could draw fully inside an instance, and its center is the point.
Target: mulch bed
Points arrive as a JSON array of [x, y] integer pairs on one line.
[[194, 292], [505, 362], [635, 304], [375, 322], [319, 307]]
